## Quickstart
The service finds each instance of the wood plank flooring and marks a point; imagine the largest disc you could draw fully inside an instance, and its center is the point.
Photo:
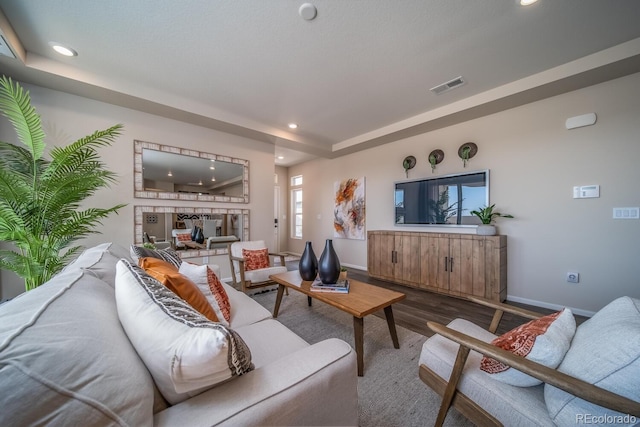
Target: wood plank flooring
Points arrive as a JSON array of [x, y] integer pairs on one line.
[[421, 306]]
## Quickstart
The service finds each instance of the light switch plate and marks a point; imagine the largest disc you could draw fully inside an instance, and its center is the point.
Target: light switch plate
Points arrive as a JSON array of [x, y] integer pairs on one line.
[[626, 213], [586, 191]]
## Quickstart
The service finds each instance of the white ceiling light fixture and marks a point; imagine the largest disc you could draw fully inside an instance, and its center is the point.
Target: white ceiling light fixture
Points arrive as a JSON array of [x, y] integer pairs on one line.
[[280, 157], [169, 174], [527, 2], [292, 126], [62, 49], [213, 179]]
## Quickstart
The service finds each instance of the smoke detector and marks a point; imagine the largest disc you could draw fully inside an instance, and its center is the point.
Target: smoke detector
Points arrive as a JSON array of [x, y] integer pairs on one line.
[[447, 86], [308, 12]]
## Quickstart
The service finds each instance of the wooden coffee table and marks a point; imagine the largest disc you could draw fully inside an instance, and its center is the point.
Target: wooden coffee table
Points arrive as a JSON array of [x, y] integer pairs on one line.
[[362, 300]]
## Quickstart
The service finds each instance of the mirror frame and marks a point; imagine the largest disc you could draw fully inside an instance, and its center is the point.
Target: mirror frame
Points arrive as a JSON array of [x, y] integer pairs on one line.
[[139, 212], [138, 180]]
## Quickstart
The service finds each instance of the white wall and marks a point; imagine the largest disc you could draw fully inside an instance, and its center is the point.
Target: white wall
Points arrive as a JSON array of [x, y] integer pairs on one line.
[[534, 163], [67, 117]]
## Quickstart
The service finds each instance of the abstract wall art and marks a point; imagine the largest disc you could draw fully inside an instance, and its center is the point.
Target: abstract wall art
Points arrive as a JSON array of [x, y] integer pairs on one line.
[[349, 209]]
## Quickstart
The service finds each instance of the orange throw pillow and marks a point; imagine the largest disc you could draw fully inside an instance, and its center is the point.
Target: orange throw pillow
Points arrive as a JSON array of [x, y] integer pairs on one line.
[[255, 259], [219, 294], [169, 276], [183, 237]]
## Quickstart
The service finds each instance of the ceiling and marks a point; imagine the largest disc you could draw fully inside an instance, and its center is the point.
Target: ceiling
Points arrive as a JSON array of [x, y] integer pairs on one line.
[[356, 76]]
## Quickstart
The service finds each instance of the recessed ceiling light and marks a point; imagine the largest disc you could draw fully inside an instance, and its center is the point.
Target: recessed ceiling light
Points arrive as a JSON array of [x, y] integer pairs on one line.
[[280, 157], [213, 179], [527, 2], [169, 174], [292, 126], [212, 168], [62, 49]]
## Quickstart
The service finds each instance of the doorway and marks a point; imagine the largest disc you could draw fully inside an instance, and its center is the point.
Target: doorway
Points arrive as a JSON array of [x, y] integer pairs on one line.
[[276, 218]]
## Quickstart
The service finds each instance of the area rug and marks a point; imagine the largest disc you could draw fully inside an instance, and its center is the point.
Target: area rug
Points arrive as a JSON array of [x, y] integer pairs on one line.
[[390, 393]]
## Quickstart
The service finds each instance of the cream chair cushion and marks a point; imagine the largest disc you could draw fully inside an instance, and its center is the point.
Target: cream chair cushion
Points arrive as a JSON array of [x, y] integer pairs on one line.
[[512, 406], [263, 274]]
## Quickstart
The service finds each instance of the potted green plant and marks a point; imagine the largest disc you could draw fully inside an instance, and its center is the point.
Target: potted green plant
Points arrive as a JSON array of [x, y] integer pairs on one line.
[[40, 199], [487, 216], [343, 274]]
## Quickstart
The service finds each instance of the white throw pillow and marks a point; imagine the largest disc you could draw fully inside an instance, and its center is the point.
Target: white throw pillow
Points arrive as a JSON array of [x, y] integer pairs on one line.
[[184, 351], [545, 340], [199, 274]]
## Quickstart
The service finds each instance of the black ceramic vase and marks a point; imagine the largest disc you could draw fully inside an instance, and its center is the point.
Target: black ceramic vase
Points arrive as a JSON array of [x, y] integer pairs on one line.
[[308, 265], [329, 264], [194, 233], [199, 236]]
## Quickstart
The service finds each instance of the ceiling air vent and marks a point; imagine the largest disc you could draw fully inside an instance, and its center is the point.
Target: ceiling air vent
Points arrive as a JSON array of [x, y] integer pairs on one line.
[[451, 84]]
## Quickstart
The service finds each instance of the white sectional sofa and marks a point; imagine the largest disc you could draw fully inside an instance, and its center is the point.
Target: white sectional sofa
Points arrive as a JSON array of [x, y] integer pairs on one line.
[[65, 359]]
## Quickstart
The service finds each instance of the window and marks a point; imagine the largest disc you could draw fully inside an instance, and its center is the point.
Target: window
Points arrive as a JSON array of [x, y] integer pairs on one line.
[[296, 207]]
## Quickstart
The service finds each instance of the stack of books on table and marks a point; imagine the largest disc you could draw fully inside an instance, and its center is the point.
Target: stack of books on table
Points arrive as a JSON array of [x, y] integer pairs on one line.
[[341, 287]]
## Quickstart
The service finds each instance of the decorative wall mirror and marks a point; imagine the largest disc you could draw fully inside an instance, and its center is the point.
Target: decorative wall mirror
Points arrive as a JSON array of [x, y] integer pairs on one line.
[[172, 173], [169, 227]]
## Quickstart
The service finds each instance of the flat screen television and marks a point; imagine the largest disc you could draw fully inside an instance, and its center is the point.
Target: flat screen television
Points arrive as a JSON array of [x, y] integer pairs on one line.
[[443, 200]]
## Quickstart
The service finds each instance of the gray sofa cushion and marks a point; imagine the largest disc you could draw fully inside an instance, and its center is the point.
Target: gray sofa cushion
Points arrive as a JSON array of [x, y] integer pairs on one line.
[[65, 359], [244, 310], [606, 352], [269, 341], [100, 261], [313, 386]]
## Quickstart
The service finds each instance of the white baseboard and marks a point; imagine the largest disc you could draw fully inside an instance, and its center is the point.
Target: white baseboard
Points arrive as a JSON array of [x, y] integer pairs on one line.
[[527, 301]]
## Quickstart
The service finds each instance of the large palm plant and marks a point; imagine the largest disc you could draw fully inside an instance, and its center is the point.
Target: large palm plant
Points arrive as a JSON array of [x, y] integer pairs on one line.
[[40, 198]]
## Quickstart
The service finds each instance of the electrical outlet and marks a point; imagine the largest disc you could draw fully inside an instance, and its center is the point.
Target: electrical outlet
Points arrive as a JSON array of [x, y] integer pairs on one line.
[[573, 277]]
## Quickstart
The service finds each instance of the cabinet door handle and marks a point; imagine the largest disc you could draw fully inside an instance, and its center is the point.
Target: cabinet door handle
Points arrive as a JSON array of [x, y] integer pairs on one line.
[[394, 257], [446, 259], [451, 264]]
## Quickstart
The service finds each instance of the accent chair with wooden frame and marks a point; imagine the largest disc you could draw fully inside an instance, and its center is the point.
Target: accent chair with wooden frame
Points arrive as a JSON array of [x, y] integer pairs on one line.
[[246, 280], [486, 401]]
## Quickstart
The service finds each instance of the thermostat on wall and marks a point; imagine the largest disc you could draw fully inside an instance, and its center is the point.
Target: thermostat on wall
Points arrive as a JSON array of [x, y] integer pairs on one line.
[[586, 192]]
